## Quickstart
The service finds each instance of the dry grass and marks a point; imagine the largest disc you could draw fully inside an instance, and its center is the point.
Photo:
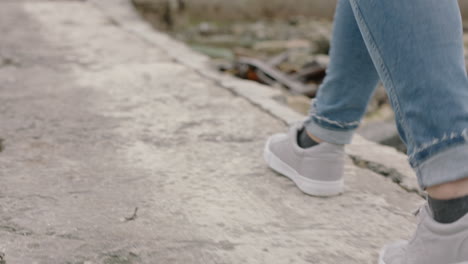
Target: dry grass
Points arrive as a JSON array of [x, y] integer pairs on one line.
[[168, 11], [244, 9], [251, 10]]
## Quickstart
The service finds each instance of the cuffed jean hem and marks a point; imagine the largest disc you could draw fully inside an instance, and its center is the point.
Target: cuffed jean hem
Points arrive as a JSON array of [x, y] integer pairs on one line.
[[447, 166], [329, 135]]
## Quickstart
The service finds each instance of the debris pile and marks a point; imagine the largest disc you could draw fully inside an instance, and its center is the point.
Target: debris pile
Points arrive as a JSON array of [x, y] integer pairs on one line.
[[291, 54]]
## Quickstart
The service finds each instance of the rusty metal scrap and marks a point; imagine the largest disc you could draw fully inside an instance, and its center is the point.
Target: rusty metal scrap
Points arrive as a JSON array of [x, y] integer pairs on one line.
[[258, 70]]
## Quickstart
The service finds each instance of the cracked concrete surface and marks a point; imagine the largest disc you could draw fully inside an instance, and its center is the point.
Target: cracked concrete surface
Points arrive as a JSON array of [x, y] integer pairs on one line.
[[98, 121]]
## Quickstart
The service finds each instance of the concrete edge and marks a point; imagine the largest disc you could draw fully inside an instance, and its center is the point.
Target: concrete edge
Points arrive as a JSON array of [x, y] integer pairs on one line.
[[381, 159]]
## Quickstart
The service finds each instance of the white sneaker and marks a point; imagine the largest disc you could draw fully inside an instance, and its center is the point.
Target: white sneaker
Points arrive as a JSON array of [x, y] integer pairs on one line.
[[433, 243], [317, 171]]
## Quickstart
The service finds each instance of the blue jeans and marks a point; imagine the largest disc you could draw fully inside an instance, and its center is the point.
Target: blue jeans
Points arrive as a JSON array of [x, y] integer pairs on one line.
[[416, 48]]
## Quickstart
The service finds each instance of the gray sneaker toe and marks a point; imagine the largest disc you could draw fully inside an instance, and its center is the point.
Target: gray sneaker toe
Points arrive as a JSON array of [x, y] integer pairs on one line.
[[432, 243], [394, 253]]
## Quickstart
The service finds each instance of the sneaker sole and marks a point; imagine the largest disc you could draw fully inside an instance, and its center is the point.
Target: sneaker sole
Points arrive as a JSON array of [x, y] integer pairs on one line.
[[306, 185], [401, 243]]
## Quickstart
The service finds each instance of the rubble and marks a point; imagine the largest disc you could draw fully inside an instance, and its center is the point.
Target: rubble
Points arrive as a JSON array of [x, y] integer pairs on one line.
[[279, 52], [257, 70], [276, 46]]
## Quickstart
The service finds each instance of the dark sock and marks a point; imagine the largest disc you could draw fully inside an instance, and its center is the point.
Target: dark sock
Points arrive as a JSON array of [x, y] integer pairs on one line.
[[448, 211], [304, 141]]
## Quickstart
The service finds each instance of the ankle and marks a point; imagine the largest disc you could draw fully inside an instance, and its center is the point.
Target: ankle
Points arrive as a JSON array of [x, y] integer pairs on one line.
[[449, 190]]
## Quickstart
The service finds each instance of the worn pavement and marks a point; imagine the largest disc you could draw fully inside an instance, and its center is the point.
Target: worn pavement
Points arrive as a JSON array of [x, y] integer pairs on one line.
[[115, 151]]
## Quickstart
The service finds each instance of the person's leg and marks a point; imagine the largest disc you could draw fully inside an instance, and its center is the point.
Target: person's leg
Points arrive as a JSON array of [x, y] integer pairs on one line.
[[418, 52], [350, 81], [317, 169], [417, 48]]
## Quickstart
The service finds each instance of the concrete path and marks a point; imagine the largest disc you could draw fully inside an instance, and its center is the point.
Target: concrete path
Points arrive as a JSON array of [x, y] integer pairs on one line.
[[116, 152]]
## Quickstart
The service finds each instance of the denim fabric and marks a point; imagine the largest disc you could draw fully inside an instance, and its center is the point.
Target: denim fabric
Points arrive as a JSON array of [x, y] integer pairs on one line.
[[416, 48]]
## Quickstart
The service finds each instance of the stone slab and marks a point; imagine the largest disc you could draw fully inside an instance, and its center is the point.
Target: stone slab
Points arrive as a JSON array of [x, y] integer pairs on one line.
[[98, 121]]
